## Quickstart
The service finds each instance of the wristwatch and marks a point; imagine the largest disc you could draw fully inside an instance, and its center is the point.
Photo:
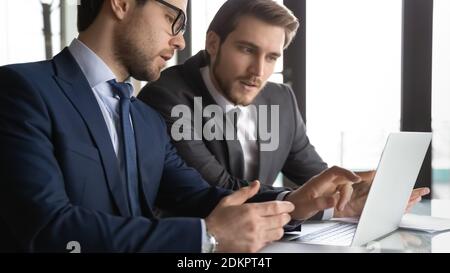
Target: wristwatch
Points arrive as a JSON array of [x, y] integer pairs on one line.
[[211, 243]]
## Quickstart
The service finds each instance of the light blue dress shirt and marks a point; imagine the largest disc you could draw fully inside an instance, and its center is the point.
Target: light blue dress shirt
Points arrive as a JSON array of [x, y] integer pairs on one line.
[[98, 74]]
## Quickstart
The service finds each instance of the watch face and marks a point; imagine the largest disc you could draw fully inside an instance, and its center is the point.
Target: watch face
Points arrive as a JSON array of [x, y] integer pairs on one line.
[[212, 243]]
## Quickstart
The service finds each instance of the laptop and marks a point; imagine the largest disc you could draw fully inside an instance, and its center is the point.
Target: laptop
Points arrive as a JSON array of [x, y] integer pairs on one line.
[[386, 202]]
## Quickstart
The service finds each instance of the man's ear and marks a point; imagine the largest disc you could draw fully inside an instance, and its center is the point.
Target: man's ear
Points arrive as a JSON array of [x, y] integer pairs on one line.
[[212, 43], [120, 8]]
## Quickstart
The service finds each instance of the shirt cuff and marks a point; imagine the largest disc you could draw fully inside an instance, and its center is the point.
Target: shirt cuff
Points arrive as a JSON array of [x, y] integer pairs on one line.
[[328, 214], [205, 243], [282, 195]]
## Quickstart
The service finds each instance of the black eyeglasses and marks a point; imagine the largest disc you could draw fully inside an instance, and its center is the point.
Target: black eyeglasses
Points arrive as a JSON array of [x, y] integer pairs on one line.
[[179, 24]]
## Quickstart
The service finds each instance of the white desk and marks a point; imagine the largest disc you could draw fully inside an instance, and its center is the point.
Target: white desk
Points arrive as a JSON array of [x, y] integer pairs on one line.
[[397, 241]]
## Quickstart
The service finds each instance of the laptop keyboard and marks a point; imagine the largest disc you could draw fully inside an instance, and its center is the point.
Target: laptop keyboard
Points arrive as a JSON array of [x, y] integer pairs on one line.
[[337, 234]]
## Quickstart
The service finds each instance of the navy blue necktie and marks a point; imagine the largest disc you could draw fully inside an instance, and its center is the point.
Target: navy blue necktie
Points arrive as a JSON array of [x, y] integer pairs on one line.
[[124, 91]]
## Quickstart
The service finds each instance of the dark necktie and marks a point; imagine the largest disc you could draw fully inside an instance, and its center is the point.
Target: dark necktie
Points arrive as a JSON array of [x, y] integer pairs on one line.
[[234, 145], [124, 91]]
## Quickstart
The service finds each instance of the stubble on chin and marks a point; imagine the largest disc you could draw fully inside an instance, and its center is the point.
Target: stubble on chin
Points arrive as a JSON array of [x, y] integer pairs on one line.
[[136, 62]]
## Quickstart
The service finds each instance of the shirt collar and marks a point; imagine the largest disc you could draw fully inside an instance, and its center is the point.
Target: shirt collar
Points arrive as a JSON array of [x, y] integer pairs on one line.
[[94, 68]]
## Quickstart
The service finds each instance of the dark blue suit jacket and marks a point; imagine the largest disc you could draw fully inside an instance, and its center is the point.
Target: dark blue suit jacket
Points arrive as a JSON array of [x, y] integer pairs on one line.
[[59, 175]]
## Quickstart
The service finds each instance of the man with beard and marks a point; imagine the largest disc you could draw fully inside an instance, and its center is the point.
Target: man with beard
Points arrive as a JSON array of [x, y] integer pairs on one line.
[[83, 163], [243, 43]]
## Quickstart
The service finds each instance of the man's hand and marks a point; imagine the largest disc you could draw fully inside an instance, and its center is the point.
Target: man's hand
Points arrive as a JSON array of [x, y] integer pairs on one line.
[[416, 197], [331, 188], [361, 190], [240, 227]]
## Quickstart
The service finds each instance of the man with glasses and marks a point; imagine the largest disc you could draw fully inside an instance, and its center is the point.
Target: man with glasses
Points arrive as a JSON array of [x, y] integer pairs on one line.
[[178, 20], [83, 163]]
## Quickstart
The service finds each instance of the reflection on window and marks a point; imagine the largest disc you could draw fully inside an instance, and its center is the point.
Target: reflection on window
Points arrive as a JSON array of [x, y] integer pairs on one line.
[[441, 99], [353, 78]]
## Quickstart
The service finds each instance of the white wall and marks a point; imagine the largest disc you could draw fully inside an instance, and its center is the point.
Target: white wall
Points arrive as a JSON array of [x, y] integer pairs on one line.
[[441, 84], [353, 79], [441, 100]]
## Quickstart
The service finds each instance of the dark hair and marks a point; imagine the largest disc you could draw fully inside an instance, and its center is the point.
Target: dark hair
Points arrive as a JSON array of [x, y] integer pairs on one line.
[[269, 11], [88, 10]]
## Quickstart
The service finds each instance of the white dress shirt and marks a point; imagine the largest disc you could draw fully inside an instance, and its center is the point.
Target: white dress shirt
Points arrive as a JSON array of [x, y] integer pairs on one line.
[[246, 127], [247, 134]]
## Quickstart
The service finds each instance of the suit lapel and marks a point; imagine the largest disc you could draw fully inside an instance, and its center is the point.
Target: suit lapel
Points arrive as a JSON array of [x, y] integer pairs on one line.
[[192, 75], [74, 84], [264, 157], [141, 133]]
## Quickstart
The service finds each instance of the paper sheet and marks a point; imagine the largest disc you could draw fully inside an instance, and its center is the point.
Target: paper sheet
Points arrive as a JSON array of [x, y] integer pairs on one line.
[[424, 223]]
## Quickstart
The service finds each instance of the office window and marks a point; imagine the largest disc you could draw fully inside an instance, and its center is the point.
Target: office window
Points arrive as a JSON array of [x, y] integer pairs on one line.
[[203, 12], [441, 100], [21, 35], [353, 78]]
